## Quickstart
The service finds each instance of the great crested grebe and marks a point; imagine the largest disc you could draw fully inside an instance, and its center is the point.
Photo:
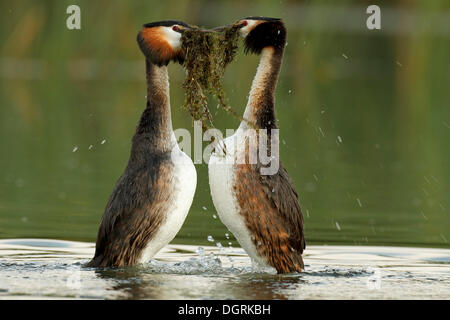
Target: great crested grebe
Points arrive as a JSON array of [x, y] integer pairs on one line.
[[262, 211], [152, 197]]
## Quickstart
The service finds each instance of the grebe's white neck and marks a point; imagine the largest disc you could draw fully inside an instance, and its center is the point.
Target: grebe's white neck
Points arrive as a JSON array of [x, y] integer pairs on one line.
[[261, 82]]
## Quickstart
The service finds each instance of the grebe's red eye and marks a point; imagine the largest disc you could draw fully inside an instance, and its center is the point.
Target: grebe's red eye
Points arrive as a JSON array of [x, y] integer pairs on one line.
[[175, 28], [245, 23]]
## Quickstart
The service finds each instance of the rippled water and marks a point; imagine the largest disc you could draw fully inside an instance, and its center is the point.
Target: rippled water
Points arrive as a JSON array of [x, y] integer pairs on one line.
[[45, 269]]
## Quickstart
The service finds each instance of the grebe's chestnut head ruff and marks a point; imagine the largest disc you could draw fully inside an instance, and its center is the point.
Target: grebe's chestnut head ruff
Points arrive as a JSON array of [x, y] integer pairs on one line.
[[161, 41], [262, 32]]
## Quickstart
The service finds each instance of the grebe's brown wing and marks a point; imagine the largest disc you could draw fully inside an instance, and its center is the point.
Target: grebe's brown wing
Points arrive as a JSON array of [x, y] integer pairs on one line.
[[134, 212], [270, 208], [284, 197]]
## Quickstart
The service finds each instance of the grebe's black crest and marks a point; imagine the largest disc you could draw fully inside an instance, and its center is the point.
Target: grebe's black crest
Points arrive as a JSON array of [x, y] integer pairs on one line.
[[270, 32], [262, 18], [160, 41], [166, 23]]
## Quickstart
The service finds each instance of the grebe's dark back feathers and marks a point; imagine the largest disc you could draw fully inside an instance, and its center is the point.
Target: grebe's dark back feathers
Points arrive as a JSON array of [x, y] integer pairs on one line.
[[272, 215], [133, 215]]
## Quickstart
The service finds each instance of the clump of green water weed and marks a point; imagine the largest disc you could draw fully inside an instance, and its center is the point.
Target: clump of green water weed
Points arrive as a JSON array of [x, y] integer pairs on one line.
[[206, 55]]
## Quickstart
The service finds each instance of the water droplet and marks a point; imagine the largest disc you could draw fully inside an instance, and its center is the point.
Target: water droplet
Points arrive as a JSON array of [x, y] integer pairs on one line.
[[227, 236], [204, 208], [90, 147], [273, 189], [219, 245], [200, 251], [259, 243], [359, 202], [214, 216], [75, 149], [103, 142], [321, 132], [345, 56], [210, 238], [290, 91], [423, 215], [339, 139], [338, 226], [284, 141]]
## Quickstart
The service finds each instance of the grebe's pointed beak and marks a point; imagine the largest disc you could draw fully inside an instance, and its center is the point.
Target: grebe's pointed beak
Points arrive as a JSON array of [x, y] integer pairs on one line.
[[183, 29], [221, 28]]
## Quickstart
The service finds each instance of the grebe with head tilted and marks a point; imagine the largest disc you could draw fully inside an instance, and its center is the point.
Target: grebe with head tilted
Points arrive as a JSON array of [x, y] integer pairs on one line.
[[262, 211], [152, 198]]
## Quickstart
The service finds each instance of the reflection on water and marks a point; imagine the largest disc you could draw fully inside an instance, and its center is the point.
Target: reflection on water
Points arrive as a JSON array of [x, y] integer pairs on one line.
[[46, 269]]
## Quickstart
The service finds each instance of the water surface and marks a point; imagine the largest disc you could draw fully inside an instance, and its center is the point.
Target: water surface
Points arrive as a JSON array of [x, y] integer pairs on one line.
[[53, 269]]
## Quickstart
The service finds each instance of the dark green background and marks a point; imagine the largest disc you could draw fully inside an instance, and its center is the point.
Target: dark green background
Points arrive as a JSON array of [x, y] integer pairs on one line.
[[383, 93]]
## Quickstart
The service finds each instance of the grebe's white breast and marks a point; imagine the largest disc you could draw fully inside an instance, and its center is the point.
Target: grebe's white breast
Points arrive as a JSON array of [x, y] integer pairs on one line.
[[184, 181], [221, 171]]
